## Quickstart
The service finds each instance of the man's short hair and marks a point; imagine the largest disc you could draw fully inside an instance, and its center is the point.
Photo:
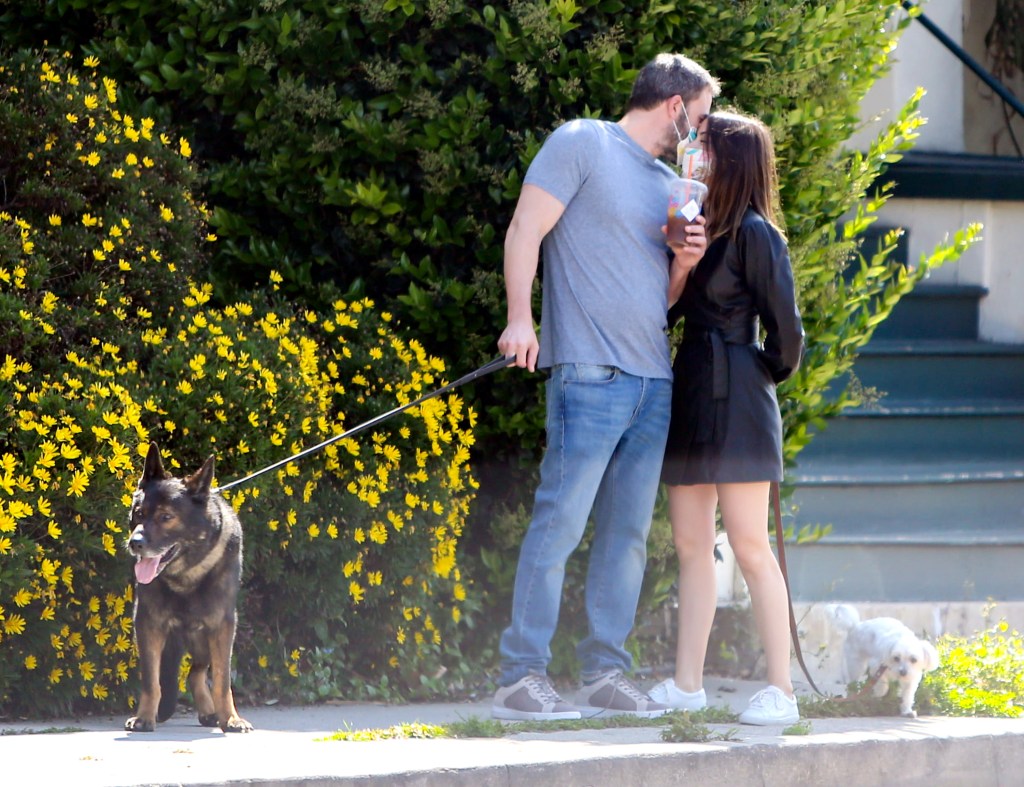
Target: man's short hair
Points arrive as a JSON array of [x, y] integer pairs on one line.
[[670, 75]]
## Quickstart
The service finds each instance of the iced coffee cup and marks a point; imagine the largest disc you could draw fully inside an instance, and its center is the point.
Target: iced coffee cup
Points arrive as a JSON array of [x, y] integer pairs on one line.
[[684, 204]]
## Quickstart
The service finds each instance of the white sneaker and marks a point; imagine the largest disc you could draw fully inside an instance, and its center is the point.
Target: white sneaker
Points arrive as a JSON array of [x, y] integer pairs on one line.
[[667, 693], [771, 706]]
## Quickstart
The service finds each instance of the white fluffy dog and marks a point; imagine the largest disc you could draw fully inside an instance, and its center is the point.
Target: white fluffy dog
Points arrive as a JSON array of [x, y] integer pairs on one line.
[[885, 642]]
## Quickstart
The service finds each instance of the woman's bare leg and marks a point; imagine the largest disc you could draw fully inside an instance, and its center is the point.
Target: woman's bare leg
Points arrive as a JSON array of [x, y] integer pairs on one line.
[[745, 518], [692, 512]]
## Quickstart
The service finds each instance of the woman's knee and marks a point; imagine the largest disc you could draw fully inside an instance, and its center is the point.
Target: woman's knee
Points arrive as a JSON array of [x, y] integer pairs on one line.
[[753, 554]]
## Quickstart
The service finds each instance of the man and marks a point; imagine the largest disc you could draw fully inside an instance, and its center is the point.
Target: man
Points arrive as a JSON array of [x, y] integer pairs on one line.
[[596, 197]]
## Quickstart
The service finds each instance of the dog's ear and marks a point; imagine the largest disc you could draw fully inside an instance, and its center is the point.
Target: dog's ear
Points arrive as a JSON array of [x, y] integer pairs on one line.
[[198, 484], [154, 468], [931, 656]]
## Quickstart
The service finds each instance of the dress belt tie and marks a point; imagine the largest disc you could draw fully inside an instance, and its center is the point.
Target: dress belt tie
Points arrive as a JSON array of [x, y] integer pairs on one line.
[[711, 413]]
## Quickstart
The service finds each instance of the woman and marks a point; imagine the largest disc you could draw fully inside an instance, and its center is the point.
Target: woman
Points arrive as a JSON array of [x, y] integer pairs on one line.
[[725, 439]]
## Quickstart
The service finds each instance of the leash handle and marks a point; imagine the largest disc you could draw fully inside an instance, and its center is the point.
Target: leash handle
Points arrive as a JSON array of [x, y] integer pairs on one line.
[[780, 545], [487, 368]]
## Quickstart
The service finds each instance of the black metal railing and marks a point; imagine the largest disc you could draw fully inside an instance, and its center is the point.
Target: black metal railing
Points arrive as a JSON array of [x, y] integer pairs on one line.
[[979, 70]]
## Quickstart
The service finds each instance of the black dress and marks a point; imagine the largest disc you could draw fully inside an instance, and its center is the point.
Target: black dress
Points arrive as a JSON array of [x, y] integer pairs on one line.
[[726, 426]]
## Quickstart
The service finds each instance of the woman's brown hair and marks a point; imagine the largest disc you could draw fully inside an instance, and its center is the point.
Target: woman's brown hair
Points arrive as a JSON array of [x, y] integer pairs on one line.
[[741, 174]]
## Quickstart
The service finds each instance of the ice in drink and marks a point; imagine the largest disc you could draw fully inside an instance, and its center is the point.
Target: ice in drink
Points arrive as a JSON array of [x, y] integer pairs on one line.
[[684, 204]]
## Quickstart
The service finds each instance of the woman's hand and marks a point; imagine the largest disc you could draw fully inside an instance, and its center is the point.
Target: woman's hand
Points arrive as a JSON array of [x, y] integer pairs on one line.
[[685, 257], [688, 254]]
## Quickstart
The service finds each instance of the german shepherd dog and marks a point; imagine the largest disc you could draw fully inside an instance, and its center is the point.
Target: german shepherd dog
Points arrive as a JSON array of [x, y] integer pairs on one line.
[[187, 543]]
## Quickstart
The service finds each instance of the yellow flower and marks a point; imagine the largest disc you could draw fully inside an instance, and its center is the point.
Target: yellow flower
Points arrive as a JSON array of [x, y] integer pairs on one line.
[[54, 220], [99, 691], [30, 662], [355, 590], [78, 485], [91, 61], [87, 670], [53, 530], [313, 531], [166, 213], [92, 159], [71, 118], [22, 597], [184, 148], [14, 624], [91, 101], [56, 674]]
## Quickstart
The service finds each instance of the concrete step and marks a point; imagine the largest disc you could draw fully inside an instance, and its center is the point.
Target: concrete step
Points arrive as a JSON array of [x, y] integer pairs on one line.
[[891, 570], [892, 508], [934, 311], [956, 435], [942, 370]]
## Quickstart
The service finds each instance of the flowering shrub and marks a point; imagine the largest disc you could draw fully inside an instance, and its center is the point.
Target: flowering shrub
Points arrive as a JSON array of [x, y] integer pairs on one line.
[[108, 343], [98, 209], [979, 675]]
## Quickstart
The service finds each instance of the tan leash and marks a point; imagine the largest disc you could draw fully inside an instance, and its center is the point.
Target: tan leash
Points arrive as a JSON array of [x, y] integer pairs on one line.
[[779, 543], [794, 634]]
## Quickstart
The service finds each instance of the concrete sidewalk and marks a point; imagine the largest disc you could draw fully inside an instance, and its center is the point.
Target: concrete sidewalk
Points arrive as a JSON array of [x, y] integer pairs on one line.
[[288, 748]]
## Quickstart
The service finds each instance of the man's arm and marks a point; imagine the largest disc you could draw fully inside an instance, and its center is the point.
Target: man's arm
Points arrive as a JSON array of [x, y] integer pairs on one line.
[[535, 214]]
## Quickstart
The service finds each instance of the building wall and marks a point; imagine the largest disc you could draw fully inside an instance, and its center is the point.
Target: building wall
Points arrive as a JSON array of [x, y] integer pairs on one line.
[[996, 262], [986, 129], [962, 118]]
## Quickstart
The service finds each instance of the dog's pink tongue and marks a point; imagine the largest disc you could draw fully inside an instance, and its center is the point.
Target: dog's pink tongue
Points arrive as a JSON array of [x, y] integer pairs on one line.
[[146, 569]]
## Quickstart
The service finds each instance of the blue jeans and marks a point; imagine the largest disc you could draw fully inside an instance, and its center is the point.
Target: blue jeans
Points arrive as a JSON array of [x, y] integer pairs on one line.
[[606, 433]]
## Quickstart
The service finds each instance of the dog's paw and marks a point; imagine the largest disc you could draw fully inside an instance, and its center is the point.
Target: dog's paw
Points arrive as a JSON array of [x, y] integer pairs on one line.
[[135, 724], [208, 720], [909, 714], [237, 724]]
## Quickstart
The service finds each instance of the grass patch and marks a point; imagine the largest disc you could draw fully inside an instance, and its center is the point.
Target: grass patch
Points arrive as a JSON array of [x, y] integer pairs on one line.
[[395, 732], [689, 727], [802, 727], [681, 726], [44, 731], [830, 707]]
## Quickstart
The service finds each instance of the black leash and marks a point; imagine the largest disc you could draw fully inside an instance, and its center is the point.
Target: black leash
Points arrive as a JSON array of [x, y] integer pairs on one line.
[[497, 363]]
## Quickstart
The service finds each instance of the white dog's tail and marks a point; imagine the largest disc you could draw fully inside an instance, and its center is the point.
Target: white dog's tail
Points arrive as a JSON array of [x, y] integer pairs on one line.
[[845, 617]]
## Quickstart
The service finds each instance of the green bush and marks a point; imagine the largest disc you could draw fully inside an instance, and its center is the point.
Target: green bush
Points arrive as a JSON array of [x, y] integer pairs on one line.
[[362, 537], [98, 206], [378, 147], [978, 675]]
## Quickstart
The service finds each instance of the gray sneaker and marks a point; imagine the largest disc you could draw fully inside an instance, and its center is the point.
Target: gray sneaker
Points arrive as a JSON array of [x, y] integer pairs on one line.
[[531, 699], [613, 695]]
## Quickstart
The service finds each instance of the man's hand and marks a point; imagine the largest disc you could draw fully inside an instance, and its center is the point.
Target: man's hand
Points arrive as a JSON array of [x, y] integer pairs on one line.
[[520, 340]]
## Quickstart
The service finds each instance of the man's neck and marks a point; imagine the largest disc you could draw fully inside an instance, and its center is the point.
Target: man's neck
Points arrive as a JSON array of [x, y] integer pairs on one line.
[[643, 129]]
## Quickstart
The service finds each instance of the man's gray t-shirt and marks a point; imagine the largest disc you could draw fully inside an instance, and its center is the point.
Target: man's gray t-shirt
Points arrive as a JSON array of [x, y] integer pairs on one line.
[[605, 284]]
